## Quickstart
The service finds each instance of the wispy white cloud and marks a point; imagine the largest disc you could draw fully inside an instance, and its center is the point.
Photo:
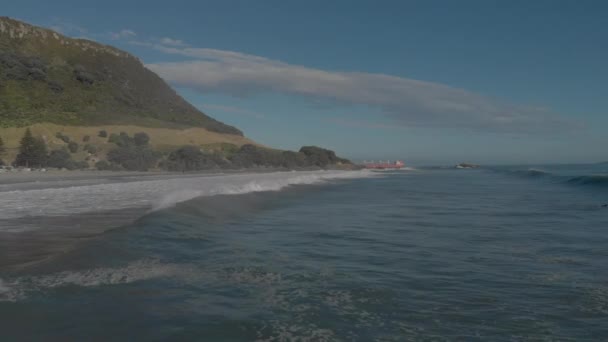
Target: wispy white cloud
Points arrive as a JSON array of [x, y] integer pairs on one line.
[[404, 101], [68, 28], [346, 122], [172, 42], [123, 34], [76, 31], [234, 110]]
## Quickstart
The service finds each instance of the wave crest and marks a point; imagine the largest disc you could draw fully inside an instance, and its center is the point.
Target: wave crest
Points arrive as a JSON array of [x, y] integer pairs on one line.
[[155, 193], [595, 180], [259, 185], [536, 173]]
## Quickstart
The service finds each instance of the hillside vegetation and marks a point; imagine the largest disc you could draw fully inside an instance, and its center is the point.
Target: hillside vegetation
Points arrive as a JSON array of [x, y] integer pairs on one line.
[[47, 77], [108, 150], [76, 104], [161, 139]]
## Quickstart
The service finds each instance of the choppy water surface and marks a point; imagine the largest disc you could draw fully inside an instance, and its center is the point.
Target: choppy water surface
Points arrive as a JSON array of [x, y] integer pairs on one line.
[[494, 254]]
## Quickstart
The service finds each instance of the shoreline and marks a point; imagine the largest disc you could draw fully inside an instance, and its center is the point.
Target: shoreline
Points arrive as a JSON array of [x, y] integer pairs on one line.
[[46, 214], [83, 175]]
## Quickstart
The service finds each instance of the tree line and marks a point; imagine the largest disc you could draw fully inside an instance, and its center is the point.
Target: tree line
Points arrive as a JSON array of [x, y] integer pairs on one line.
[[34, 153], [134, 153]]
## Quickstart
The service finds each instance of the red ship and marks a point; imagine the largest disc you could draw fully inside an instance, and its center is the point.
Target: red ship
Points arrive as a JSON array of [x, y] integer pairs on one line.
[[384, 165]]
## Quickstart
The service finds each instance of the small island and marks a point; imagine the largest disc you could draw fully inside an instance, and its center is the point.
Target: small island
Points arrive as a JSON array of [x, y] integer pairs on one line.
[[466, 166]]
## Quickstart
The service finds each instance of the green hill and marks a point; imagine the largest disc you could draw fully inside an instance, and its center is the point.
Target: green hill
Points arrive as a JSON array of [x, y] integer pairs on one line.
[[89, 105], [48, 77]]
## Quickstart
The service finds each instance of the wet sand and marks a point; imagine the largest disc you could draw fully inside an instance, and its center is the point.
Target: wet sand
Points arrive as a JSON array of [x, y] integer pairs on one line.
[[37, 176]]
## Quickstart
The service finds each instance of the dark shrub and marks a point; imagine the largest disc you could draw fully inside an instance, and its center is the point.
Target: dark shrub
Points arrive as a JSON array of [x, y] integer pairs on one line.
[[37, 74], [141, 139], [293, 160], [18, 67], [92, 149], [102, 134], [245, 157], [34, 63], [321, 157], [134, 158], [191, 158], [60, 159], [86, 138], [83, 76], [55, 87], [78, 165], [125, 139], [17, 74], [114, 138], [253, 156], [73, 147], [63, 137], [121, 140], [104, 166], [9, 59]]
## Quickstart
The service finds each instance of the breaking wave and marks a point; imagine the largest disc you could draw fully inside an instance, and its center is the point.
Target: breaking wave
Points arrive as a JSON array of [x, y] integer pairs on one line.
[[258, 185], [593, 180], [597, 180], [531, 172], [155, 194], [535, 173]]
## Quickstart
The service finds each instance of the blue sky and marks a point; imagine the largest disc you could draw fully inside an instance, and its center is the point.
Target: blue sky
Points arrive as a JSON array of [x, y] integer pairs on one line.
[[424, 81]]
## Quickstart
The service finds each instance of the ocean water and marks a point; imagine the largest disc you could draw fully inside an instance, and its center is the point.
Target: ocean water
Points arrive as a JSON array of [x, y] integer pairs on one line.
[[503, 254]]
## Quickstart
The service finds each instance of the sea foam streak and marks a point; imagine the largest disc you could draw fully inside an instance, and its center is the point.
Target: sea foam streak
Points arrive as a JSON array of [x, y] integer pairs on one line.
[[16, 289], [155, 194]]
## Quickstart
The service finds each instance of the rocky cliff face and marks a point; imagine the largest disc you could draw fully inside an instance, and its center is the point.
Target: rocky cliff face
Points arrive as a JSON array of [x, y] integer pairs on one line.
[[14, 29], [48, 77]]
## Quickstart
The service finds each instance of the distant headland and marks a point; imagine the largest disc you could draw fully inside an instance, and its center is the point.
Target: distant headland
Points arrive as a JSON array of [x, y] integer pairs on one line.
[[76, 104]]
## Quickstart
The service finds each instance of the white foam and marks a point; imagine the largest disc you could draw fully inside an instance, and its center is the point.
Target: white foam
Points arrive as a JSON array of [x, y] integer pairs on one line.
[[155, 194], [139, 270], [3, 288], [135, 271], [401, 170]]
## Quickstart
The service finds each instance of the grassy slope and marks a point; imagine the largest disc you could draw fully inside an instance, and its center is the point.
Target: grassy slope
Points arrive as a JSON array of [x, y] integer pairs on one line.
[[47, 77], [162, 139]]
